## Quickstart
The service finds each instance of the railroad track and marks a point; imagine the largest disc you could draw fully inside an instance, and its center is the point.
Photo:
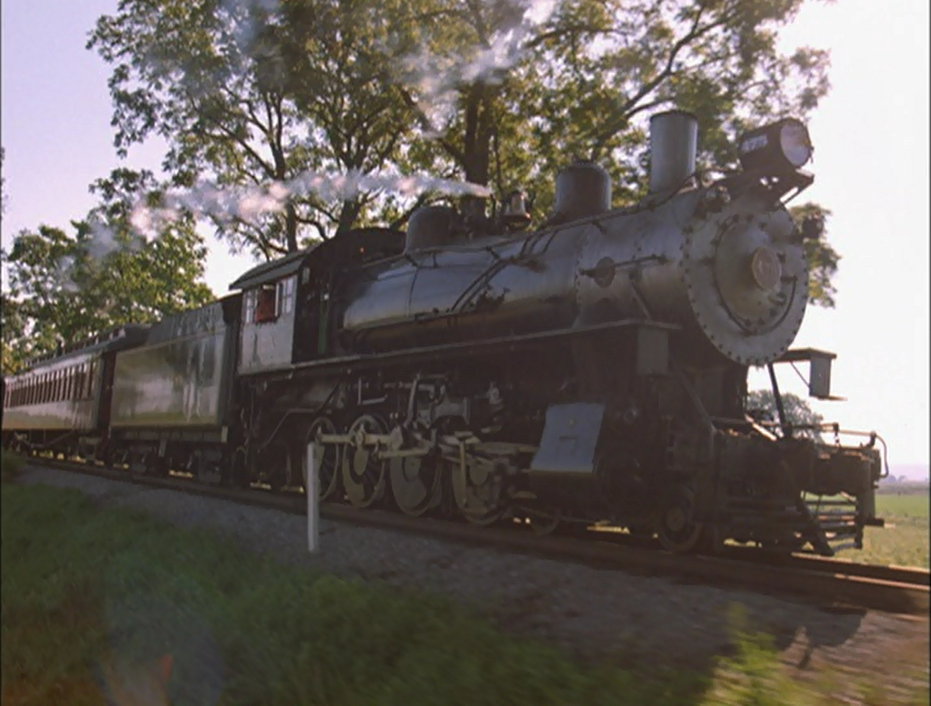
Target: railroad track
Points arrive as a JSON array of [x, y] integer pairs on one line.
[[833, 583]]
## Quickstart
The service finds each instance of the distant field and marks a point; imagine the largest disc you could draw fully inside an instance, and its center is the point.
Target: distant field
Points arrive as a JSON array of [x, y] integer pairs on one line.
[[904, 540], [906, 506]]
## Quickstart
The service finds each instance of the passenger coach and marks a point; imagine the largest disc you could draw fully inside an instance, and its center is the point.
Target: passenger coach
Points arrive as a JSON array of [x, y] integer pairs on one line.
[[62, 402]]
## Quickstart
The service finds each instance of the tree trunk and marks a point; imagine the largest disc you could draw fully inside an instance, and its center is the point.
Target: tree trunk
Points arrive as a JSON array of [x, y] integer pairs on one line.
[[347, 216], [479, 128], [290, 224]]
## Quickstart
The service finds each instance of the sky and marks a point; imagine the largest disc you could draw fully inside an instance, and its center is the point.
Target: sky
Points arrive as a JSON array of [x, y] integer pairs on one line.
[[871, 167]]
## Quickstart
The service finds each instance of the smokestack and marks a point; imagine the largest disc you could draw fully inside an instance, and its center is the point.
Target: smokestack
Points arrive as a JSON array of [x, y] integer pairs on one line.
[[673, 144]]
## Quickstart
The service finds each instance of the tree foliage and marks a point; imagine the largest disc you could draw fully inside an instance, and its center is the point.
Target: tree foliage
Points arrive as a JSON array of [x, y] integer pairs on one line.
[[65, 287], [797, 410], [822, 258], [254, 93], [495, 92]]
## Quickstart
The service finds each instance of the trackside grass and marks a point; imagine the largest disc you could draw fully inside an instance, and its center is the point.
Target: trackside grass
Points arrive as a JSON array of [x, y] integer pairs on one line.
[[100, 599], [10, 465], [904, 541]]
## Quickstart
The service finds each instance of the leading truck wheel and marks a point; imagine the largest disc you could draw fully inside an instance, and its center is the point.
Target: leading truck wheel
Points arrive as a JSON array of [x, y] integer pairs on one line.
[[677, 531]]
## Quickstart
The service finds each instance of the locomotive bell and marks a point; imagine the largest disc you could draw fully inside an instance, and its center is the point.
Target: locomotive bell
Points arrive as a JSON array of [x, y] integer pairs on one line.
[[583, 189], [515, 213], [673, 144]]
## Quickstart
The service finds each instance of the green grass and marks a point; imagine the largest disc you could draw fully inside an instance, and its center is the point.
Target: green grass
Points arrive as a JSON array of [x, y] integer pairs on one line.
[[79, 584], [905, 505], [10, 465], [88, 590], [904, 541]]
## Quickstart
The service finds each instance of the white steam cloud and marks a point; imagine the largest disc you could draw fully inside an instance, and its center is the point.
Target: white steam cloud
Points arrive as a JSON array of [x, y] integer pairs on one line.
[[437, 77], [248, 204]]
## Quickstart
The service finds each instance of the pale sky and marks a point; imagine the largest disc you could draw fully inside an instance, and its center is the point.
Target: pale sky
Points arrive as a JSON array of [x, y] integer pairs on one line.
[[871, 167]]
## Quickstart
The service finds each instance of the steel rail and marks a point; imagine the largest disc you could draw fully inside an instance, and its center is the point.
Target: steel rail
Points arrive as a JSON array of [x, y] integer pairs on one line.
[[829, 582]]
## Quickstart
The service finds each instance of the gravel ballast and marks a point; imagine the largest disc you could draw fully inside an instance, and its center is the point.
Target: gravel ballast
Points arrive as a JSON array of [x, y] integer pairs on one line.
[[593, 614]]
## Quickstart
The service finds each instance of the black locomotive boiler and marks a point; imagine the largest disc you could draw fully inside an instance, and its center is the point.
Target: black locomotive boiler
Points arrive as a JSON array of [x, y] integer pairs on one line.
[[589, 369]]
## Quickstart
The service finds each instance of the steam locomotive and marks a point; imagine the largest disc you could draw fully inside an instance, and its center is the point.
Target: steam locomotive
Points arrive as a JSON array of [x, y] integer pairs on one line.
[[592, 369]]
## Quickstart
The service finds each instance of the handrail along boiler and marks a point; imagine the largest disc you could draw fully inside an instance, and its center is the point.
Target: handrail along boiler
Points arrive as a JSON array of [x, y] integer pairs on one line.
[[591, 369]]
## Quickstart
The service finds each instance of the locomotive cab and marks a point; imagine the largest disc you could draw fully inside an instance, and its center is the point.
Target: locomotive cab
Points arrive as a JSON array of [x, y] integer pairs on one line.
[[287, 310]]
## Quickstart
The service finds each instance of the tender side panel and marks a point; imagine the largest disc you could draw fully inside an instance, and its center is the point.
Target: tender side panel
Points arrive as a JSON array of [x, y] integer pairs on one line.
[[178, 382]]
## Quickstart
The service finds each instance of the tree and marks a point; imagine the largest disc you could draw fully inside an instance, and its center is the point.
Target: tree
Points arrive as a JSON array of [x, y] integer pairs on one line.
[[582, 80], [822, 258], [12, 354], [495, 92], [797, 410], [259, 94], [64, 287]]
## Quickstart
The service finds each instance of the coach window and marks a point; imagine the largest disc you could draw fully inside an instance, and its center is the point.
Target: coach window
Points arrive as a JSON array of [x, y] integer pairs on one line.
[[82, 376], [286, 296], [248, 307], [265, 308], [89, 382]]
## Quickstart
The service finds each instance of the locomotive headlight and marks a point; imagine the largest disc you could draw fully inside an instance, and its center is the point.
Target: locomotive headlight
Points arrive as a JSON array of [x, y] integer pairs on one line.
[[781, 147]]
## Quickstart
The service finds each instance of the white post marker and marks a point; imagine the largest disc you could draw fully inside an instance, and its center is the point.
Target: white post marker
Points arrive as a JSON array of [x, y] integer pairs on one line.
[[313, 510]]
